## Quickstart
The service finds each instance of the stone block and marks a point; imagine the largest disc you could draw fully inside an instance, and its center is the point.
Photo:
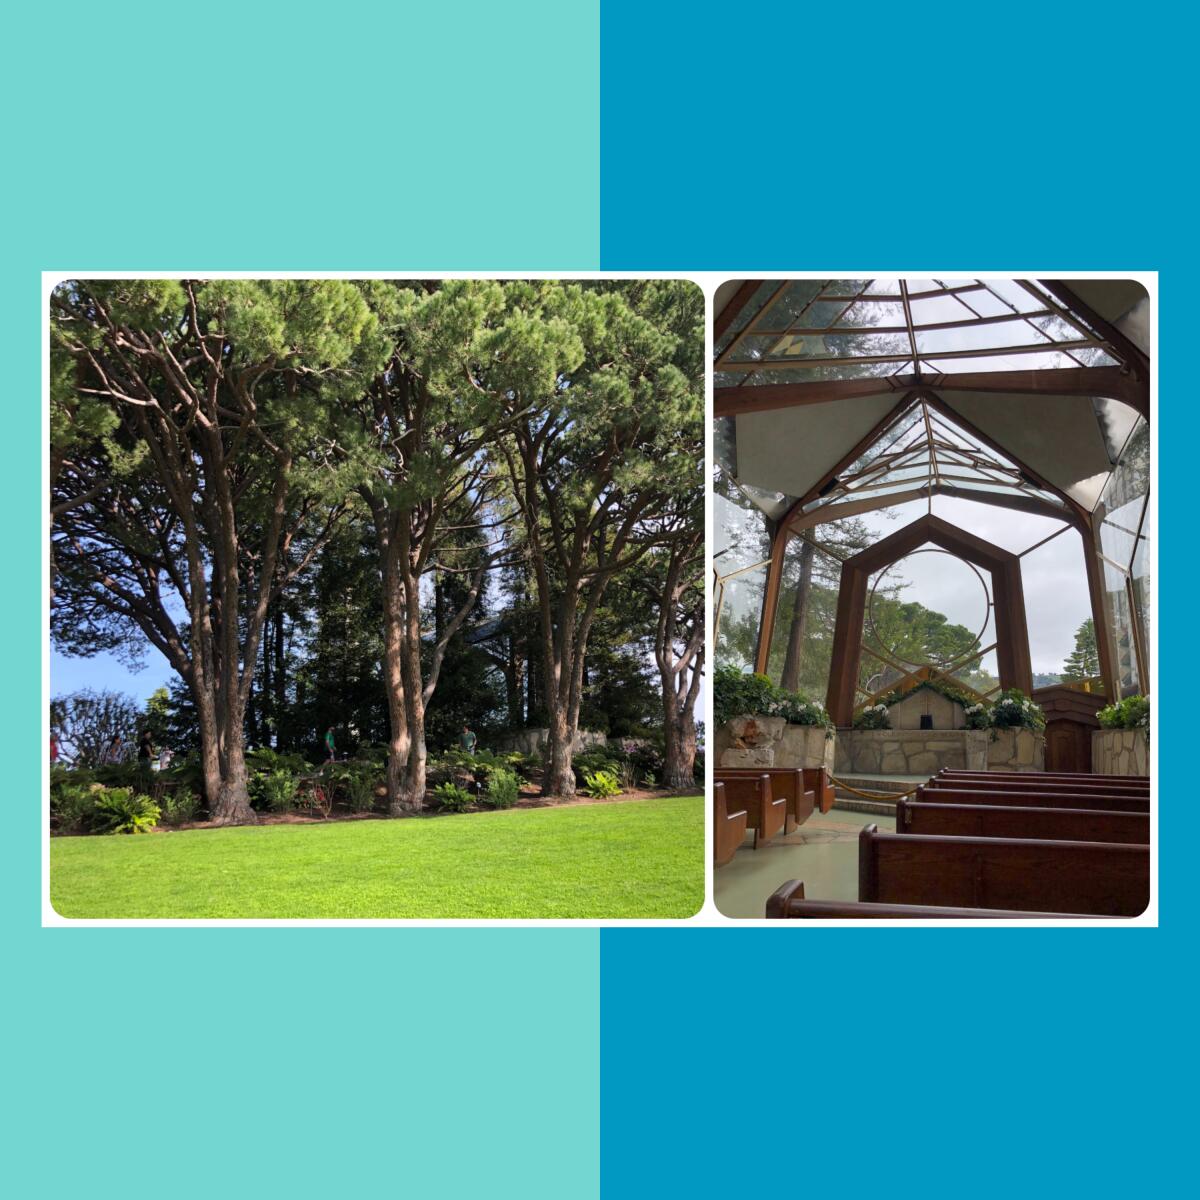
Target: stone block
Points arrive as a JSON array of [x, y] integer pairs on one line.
[[760, 756]]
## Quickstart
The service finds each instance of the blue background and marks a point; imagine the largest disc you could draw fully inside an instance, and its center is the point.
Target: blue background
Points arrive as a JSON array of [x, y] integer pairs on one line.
[[514, 1062]]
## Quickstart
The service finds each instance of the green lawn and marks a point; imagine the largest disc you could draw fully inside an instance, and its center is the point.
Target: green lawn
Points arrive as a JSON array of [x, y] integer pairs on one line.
[[641, 858]]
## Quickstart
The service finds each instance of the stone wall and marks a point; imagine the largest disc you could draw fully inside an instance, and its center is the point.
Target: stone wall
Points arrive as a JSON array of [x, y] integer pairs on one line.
[[911, 751], [1016, 750], [1120, 752], [533, 741], [753, 741]]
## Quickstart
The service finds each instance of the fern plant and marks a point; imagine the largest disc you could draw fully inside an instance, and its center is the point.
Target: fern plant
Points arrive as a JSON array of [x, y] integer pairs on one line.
[[503, 787], [452, 798], [601, 784], [118, 810]]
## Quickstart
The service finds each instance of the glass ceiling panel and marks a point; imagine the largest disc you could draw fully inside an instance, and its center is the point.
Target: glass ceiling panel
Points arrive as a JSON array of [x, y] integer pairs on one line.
[[985, 319]]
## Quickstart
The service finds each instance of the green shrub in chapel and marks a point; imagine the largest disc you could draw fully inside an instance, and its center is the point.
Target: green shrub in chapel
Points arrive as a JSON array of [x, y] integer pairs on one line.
[[1131, 713], [1014, 710]]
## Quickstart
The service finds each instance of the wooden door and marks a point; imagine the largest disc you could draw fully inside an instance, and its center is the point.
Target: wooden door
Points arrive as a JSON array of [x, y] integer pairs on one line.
[[1068, 746]]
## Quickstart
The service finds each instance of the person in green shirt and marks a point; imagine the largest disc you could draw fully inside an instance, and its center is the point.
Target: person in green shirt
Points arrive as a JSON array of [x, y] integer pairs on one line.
[[467, 739], [329, 744]]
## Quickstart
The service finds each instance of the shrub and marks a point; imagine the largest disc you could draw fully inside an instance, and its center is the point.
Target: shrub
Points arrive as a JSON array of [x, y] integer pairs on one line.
[[600, 784], [649, 780], [503, 787], [1131, 713], [73, 806], [588, 762], [277, 789], [360, 789], [1014, 710], [736, 695], [180, 806], [977, 716], [119, 810], [452, 798], [875, 717]]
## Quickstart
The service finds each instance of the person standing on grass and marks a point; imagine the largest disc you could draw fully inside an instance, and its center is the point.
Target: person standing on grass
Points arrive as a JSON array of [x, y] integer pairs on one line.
[[330, 745], [53, 747], [467, 739]]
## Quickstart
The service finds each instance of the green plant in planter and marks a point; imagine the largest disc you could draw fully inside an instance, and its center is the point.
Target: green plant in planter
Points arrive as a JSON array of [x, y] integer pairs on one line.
[[1014, 710], [977, 716], [874, 717], [1131, 713], [736, 695]]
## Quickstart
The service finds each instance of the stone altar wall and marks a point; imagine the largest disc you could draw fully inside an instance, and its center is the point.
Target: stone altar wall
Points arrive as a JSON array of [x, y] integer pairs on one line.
[[753, 741], [1120, 752], [1016, 750], [911, 751]]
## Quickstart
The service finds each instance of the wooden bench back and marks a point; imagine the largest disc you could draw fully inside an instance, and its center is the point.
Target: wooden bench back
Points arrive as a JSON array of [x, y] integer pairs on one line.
[[1099, 878], [788, 903], [729, 828], [766, 814], [789, 782], [1012, 821], [1032, 783], [1044, 799]]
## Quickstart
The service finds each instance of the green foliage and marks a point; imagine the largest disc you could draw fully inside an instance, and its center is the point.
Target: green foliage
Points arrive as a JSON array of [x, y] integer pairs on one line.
[[977, 716], [736, 694], [649, 780], [120, 810], [940, 686], [601, 784], [452, 798], [180, 807], [1131, 713], [874, 717], [72, 806], [360, 788], [1084, 662], [597, 759], [503, 788], [1014, 710], [277, 789]]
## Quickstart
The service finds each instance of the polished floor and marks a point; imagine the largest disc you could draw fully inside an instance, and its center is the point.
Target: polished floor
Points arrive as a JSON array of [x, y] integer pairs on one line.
[[823, 852]]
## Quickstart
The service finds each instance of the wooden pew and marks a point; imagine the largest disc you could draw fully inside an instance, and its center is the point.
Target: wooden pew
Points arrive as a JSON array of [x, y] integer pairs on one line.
[[1018, 874], [1083, 776], [1023, 799], [788, 903], [789, 782], [765, 813], [1034, 784], [1015, 821], [816, 779], [729, 828], [1141, 782]]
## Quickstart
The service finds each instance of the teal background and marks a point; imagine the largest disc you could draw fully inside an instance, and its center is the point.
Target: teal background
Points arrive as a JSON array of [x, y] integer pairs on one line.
[[896, 1062], [297, 1062]]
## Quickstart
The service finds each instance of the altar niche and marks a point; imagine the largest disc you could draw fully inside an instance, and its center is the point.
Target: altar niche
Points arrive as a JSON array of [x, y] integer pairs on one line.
[[1008, 598]]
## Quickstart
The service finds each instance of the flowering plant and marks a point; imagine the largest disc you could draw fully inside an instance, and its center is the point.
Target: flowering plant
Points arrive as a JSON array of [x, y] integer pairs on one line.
[[1131, 713], [977, 716], [874, 717], [1014, 710]]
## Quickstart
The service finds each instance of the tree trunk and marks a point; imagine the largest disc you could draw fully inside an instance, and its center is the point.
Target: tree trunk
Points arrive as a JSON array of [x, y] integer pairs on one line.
[[790, 679], [558, 778], [679, 727]]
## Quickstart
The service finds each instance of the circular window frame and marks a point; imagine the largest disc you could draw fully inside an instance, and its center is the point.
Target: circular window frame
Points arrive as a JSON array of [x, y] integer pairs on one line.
[[989, 605]]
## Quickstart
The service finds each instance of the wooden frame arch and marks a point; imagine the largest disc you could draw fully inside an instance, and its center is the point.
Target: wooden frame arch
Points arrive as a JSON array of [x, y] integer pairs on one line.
[[1012, 633]]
